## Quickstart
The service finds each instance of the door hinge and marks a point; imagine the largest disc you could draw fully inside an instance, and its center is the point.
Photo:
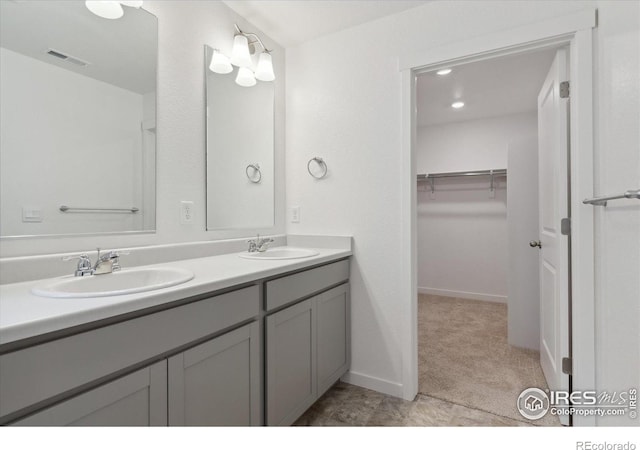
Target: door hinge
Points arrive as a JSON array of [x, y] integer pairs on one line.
[[567, 366], [564, 89], [565, 226]]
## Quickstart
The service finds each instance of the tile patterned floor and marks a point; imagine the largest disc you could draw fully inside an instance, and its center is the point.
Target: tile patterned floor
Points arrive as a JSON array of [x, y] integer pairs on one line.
[[348, 405], [465, 338]]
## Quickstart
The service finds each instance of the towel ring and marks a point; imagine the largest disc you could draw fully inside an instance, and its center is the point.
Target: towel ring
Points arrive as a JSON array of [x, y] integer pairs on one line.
[[256, 171], [321, 163]]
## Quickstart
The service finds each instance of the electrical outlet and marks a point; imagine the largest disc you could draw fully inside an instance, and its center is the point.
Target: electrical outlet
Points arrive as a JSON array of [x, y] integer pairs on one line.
[[295, 214], [186, 212]]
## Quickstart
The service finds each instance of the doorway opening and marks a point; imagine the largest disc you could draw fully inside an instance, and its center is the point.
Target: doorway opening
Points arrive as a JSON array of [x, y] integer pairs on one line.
[[483, 131]]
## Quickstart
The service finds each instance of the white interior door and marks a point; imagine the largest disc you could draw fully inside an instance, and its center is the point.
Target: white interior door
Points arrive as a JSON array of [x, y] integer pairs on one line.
[[553, 207]]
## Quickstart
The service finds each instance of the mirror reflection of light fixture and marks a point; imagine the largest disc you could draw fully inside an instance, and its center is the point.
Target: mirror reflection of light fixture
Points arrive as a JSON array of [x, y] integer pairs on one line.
[[106, 10], [220, 63], [110, 9], [133, 3], [245, 77]]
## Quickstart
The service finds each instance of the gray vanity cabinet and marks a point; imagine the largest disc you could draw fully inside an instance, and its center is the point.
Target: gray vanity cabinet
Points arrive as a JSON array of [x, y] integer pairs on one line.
[[137, 399], [217, 382], [333, 336], [291, 363], [307, 344], [203, 361], [213, 374]]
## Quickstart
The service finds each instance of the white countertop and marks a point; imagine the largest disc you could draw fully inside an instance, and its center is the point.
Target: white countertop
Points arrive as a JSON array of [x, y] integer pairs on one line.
[[24, 315]]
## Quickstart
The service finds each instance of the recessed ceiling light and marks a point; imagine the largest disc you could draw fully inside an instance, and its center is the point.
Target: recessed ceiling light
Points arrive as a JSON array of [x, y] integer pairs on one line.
[[457, 105], [443, 72]]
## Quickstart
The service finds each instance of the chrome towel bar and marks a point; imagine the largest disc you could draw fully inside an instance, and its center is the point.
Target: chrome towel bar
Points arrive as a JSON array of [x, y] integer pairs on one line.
[[70, 209], [602, 201]]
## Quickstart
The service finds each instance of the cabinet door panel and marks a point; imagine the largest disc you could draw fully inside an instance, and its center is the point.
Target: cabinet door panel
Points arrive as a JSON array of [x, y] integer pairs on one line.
[[333, 335], [217, 382], [291, 363], [137, 399]]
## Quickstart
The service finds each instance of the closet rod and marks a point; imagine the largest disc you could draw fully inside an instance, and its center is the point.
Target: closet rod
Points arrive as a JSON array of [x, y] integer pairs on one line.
[[472, 173]]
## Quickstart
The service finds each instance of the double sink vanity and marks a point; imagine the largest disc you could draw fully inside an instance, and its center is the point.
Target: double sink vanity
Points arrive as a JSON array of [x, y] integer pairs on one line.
[[181, 335], [232, 339]]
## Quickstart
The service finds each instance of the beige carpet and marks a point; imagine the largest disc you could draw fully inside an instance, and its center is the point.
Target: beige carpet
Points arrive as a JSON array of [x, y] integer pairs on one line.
[[465, 358]]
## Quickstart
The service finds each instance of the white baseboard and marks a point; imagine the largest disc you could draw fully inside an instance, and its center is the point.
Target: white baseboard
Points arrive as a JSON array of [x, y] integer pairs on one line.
[[463, 294], [373, 383]]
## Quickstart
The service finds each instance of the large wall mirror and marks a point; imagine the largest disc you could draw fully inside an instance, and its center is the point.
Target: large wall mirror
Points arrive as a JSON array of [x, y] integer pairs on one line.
[[240, 152], [77, 119]]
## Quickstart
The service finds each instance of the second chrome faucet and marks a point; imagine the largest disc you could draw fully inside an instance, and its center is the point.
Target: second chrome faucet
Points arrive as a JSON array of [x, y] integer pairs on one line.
[[259, 244]]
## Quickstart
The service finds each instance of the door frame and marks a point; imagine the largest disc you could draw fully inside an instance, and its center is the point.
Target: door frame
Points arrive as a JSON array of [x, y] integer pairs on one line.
[[575, 31]]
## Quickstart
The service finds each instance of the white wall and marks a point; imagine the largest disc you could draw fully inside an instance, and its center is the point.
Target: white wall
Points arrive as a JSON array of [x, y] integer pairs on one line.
[[617, 227], [184, 28], [462, 232], [343, 103], [62, 136], [471, 145]]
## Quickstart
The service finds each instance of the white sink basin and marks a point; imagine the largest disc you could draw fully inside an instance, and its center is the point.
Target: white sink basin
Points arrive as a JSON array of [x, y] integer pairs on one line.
[[126, 281], [281, 253]]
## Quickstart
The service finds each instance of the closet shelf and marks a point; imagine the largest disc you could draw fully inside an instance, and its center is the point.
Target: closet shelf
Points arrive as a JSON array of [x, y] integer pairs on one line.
[[472, 173]]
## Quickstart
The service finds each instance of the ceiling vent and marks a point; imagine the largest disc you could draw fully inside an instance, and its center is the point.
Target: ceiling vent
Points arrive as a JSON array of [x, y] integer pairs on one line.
[[67, 58]]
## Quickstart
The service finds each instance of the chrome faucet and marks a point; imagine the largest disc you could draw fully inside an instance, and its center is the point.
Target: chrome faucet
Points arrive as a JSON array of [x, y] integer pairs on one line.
[[84, 264], [259, 244], [106, 263]]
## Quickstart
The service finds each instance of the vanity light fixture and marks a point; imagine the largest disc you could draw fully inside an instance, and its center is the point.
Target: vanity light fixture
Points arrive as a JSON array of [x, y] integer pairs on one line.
[[240, 56], [246, 44], [245, 77], [220, 63], [457, 105], [110, 9], [264, 71], [443, 72]]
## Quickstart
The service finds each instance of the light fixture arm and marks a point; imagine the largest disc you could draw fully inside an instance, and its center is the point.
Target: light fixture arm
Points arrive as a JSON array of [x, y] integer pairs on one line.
[[252, 35]]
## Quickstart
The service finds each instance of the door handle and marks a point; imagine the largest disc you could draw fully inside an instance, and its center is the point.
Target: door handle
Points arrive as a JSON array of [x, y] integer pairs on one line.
[[535, 244]]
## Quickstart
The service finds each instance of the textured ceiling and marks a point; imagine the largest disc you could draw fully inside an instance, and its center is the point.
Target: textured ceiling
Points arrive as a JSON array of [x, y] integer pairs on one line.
[[488, 88]]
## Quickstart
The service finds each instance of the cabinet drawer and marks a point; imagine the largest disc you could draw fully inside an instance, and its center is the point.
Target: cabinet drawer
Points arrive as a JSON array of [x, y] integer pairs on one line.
[[287, 289], [38, 373]]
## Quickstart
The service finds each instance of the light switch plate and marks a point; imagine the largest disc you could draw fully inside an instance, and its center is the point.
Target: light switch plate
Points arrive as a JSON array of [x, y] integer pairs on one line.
[[295, 214], [31, 214]]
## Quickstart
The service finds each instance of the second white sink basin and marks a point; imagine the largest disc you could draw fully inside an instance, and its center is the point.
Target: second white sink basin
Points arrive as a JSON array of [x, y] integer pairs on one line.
[[281, 253], [126, 281]]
